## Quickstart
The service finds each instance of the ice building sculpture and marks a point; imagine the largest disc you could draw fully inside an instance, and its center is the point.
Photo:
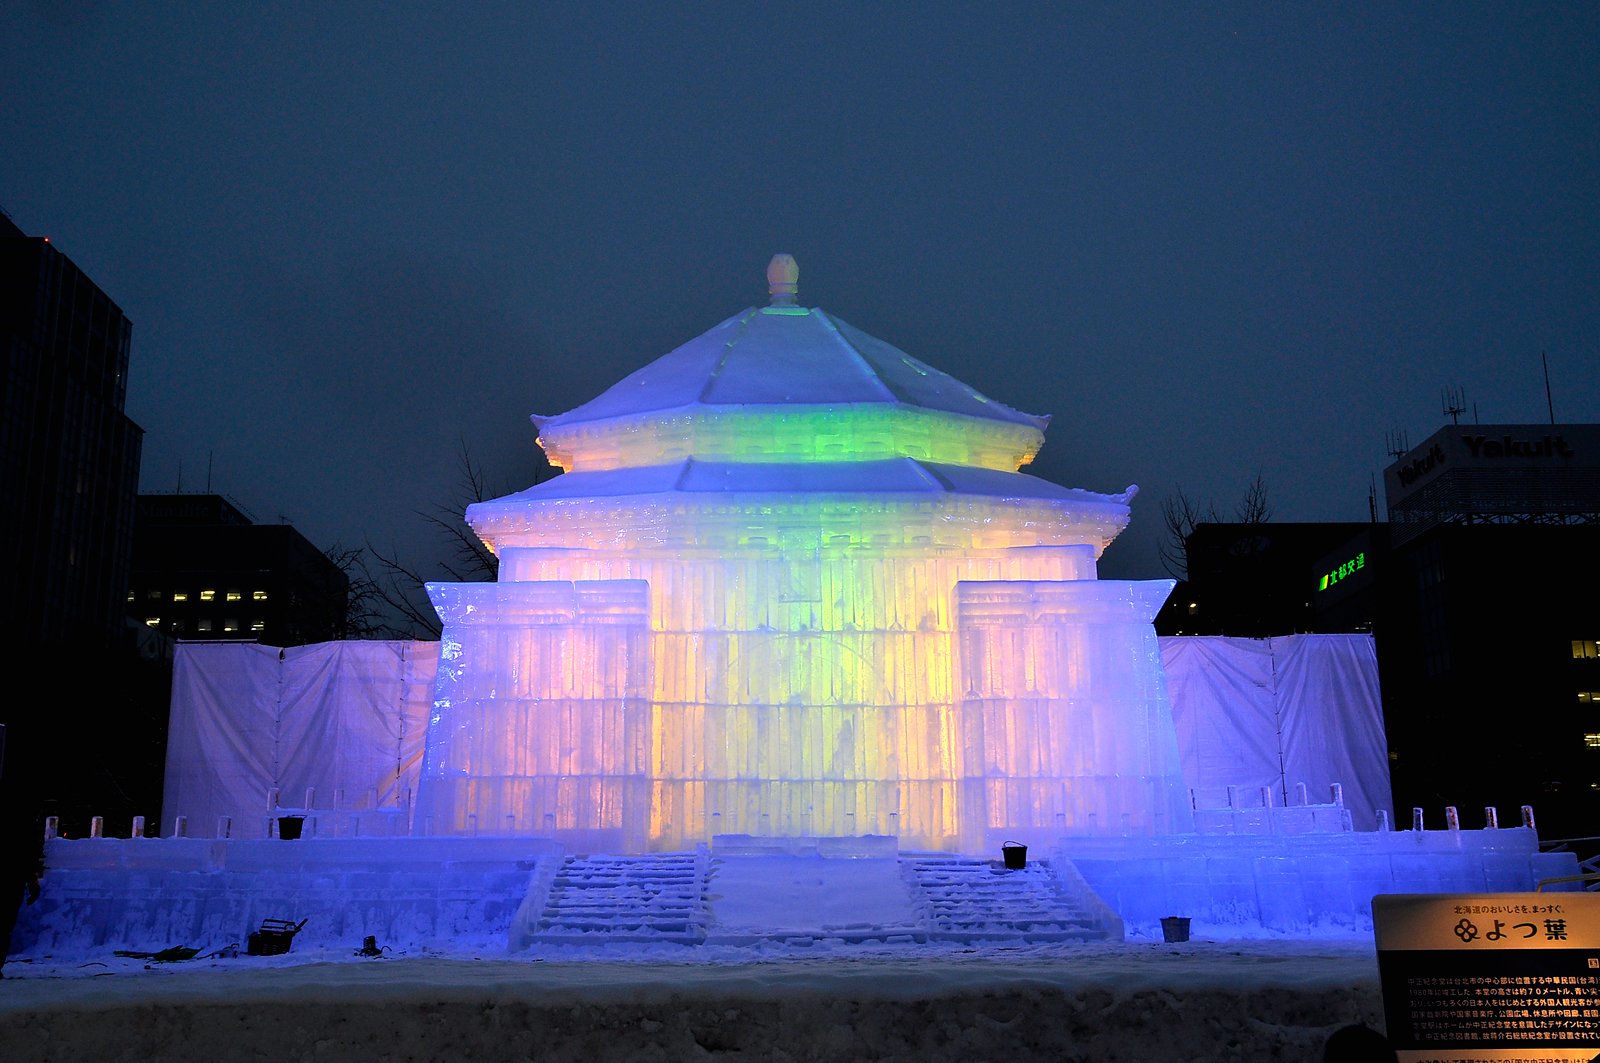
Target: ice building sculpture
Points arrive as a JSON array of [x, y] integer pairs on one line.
[[793, 584]]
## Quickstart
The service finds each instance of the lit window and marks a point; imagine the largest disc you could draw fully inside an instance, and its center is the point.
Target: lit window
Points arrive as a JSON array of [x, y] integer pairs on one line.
[[230, 625], [1584, 648], [1194, 607], [157, 595], [1586, 696], [203, 625], [130, 596], [1592, 741], [177, 626], [206, 596], [234, 596], [258, 625], [260, 596], [152, 621], [179, 596]]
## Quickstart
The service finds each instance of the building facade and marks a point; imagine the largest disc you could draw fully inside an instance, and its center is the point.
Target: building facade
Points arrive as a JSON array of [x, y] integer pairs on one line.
[[69, 455], [1258, 580], [203, 570], [1493, 599]]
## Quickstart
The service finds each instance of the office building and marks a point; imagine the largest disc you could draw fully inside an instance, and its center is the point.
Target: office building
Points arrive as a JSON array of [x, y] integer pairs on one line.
[[69, 455], [203, 570], [1490, 688], [1265, 579]]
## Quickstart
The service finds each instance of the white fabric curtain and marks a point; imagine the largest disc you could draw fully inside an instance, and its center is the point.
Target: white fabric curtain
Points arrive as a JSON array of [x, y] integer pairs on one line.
[[1279, 712], [247, 719]]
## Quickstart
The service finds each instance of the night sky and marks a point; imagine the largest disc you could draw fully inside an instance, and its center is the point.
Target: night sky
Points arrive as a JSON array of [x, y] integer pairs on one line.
[[1210, 242]]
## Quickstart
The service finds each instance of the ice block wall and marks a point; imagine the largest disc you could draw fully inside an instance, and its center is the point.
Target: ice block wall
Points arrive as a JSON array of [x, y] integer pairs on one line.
[[541, 717], [942, 700], [1065, 720]]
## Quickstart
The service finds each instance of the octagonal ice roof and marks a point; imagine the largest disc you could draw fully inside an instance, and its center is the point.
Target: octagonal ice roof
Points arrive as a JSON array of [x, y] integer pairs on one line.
[[787, 356]]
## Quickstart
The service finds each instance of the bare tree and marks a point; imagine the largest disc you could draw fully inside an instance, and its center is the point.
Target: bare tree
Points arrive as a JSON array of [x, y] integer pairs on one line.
[[1255, 508], [399, 587], [1181, 513], [364, 616]]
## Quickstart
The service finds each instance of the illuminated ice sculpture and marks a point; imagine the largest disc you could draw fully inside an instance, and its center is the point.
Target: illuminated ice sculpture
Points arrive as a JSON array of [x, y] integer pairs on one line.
[[792, 584]]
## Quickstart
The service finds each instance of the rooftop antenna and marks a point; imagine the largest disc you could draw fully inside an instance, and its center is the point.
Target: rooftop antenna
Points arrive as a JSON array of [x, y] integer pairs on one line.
[[1548, 402], [1475, 413], [1454, 401], [209, 455], [1396, 443], [1372, 497], [179, 491]]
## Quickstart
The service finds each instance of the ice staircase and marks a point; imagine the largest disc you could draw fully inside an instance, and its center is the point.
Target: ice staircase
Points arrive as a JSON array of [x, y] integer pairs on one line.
[[598, 900], [966, 899]]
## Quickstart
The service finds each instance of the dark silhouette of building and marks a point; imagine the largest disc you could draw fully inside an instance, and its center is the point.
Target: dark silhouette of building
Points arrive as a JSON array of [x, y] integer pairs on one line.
[[69, 455], [85, 717], [1261, 579], [203, 570], [1490, 691]]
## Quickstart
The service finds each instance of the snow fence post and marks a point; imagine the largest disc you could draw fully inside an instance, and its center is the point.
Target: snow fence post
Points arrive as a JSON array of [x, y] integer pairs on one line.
[[180, 826], [52, 827], [1452, 818], [224, 825], [138, 827], [1491, 818], [97, 826], [1416, 819], [1527, 817]]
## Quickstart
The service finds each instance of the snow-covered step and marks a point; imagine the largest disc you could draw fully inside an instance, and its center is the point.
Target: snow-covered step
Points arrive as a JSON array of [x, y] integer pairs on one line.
[[594, 900], [801, 899], [968, 899]]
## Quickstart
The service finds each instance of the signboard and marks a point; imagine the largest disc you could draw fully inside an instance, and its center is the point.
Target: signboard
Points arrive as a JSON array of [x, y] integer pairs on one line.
[[1490, 977], [1497, 447], [1344, 572]]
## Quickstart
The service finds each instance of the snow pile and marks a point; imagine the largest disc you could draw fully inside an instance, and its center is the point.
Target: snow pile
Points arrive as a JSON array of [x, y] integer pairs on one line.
[[1126, 1002]]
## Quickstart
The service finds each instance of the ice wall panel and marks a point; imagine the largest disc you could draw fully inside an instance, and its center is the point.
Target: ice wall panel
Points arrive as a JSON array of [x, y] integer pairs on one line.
[[557, 710], [849, 590], [542, 711], [1065, 717]]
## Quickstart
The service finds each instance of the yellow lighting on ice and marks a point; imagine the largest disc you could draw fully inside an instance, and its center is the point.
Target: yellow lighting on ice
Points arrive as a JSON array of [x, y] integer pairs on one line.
[[808, 617]]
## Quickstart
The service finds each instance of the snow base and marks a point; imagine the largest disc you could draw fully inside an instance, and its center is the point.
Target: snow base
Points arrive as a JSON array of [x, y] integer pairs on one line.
[[1196, 1002]]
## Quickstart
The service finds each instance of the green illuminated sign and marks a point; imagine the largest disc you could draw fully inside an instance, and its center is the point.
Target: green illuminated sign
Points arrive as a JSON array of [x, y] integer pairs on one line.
[[1343, 572]]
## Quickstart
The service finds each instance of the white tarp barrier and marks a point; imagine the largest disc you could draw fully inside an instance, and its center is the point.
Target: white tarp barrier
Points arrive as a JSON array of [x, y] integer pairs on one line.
[[1278, 712], [335, 716]]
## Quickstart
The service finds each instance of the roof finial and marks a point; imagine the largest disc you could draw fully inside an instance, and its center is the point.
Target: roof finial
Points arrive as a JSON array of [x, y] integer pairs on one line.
[[783, 279]]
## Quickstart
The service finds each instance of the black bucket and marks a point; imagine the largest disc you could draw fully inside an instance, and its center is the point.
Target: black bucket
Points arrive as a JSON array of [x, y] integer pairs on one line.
[[1175, 928], [289, 827], [1016, 855]]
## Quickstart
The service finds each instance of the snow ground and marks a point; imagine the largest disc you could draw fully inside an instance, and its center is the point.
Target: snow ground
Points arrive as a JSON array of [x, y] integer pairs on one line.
[[1199, 1001]]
